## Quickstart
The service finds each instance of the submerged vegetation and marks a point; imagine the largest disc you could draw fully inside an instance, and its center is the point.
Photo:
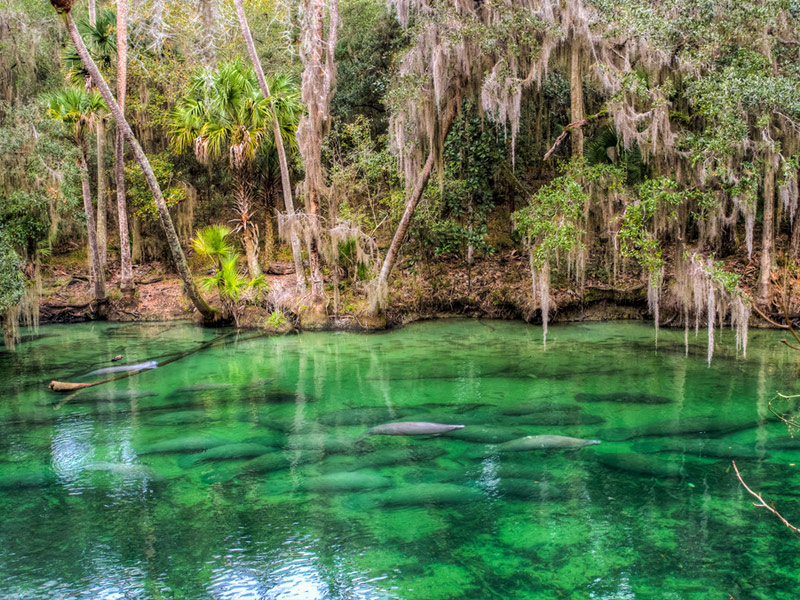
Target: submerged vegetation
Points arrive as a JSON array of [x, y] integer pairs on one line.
[[355, 148]]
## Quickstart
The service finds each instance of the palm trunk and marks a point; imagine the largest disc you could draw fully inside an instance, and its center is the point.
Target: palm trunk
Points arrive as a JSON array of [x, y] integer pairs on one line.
[[141, 158], [286, 184], [98, 274], [576, 98], [243, 203], [767, 234], [126, 268], [102, 211]]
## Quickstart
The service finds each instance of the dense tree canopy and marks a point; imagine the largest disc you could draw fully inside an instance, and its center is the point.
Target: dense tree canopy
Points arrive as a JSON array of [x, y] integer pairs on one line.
[[609, 140]]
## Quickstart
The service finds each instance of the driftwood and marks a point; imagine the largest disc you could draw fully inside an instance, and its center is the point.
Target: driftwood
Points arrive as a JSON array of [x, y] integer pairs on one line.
[[67, 386], [280, 268]]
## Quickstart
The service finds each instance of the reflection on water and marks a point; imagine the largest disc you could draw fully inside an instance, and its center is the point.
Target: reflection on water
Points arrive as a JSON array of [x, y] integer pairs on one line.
[[244, 471]]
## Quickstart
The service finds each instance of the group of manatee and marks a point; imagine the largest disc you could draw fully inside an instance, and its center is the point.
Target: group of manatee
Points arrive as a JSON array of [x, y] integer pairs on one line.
[[347, 461]]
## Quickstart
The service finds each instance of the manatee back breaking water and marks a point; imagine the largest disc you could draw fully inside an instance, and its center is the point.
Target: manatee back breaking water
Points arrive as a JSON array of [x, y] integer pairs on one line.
[[244, 470]]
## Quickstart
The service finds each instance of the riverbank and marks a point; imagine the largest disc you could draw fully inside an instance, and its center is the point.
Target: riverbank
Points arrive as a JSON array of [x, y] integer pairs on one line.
[[495, 287]]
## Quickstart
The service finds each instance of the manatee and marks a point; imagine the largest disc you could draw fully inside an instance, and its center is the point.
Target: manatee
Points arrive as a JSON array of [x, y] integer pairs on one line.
[[370, 415], [545, 442], [125, 470], [329, 444], [182, 445], [527, 489], [785, 442], [559, 418], [397, 456], [411, 428], [642, 464], [534, 407], [99, 396], [207, 386], [27, 480], [685, 426], [425, 494], [347, 481], [183, 417], [486, 434], [624, 397], [150, 364], [702, 447], [239, 451], [266, 463]]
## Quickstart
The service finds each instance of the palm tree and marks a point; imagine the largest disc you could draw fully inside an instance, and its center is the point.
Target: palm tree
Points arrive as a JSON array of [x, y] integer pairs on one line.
[[78, 110], [100, 31], [211, 243], [278, 139], [225, 114], [63, 7]]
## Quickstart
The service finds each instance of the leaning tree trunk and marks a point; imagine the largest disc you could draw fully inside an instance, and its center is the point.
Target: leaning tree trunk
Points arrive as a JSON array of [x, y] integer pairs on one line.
[[286, 183], [126, 269], [405, 221], [576, 98], [102, 211], [141, 158], [767, 234], [98, 273], [446, 120]]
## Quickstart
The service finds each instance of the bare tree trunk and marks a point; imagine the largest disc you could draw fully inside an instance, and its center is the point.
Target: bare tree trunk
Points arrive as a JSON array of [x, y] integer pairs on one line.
[[286, 183], [126, 269], [318, 82], [98, 274], [767, 233], [92, 13], [208, 34], [137, 247], [102, 210], [141, 158], [576, 98]]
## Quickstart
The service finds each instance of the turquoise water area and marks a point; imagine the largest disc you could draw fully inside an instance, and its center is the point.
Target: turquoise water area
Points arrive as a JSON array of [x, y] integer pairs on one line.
[[243, 470]]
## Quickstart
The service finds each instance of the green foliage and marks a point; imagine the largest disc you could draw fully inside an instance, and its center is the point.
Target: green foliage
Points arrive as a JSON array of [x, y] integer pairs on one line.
[[12, 281], [210, 243], [101, 41], [139, 194], [77, 110], [276, 319], [553, 223]]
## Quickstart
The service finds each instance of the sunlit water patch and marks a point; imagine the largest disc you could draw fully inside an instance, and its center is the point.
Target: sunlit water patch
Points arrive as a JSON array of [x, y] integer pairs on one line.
[[245, 469]]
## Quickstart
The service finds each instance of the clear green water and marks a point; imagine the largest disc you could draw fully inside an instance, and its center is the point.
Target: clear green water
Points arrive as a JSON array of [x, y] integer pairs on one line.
[[88, 512]]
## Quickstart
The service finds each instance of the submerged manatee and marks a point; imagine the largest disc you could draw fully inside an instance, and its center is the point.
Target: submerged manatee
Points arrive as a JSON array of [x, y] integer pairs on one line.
[[182, 445], [685, 426], [486, 434], [425, 494], [703, 447], [22, 480], [347, 481], [369, 415], [150, 364], [642, 464], [411, 428], [624, 397], [527, 489], [559, 418], [125, 470], [227, 452], [206, 386], [183, 417], [545, 442], [533, 407], [99, 396], [386, 457]]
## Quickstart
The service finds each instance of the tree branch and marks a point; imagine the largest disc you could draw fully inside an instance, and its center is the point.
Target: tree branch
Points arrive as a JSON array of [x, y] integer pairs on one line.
[[569, 128], [761, 502]]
